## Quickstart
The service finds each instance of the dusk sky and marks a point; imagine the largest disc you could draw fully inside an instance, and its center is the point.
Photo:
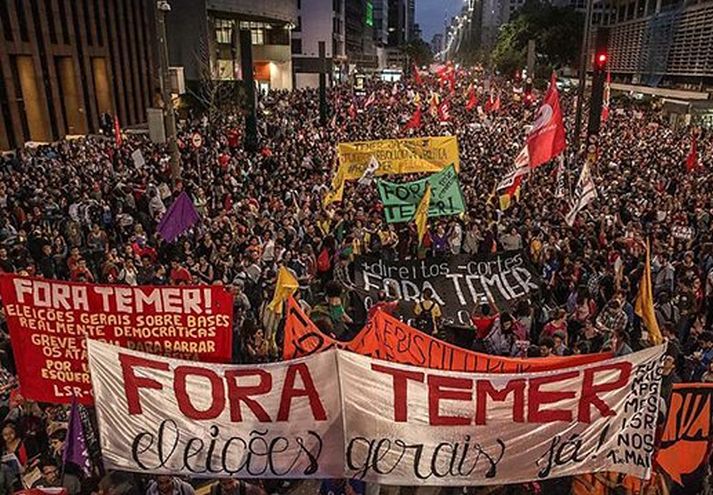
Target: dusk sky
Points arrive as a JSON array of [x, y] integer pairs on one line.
[[430, 15]]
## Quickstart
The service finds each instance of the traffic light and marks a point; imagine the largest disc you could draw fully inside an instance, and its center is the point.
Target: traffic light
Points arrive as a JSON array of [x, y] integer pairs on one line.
[[599, 74]]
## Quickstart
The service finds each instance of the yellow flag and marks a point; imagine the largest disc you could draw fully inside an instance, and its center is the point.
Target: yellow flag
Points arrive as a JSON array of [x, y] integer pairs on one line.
[[644, 306], [421, 216], [286, 285]]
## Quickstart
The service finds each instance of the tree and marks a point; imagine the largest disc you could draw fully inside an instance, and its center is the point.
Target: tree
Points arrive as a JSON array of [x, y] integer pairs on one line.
[[419, 52], [557, 32]]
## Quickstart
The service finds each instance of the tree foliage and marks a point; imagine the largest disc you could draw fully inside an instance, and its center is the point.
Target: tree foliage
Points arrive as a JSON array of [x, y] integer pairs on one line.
[[557, 32], [419, 52]]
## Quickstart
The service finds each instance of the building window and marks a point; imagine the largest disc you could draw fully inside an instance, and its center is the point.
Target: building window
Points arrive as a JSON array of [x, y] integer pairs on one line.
[[257, 31], [337, 7], [298, 27], [224, 31], [296, 47], [299, 4]]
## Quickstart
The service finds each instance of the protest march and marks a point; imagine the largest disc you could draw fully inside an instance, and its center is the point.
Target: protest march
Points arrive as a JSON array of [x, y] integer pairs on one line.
[[408, 299]]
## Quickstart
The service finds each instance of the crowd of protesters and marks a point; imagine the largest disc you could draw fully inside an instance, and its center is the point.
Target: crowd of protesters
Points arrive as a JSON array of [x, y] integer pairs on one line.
[[84, 210]]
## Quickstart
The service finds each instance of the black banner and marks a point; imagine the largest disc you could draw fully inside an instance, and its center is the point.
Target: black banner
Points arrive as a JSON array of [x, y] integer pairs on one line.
[[459, 283]]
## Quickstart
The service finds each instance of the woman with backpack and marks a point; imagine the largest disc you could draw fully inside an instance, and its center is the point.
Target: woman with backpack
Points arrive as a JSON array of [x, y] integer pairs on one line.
[[428, 313]]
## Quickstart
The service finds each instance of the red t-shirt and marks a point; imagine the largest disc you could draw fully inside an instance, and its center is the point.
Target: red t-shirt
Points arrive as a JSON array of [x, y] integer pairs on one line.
[[483, 324], [180, 274]]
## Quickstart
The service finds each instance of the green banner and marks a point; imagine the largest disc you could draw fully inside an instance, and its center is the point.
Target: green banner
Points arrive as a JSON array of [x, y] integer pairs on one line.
[[401, 200]]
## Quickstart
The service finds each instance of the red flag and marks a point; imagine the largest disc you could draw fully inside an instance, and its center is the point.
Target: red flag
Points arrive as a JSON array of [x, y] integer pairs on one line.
[[607, 95], [692, 158], [472, 100], [546, 139], [117, 132], [415, 120], [493, 104], [452, 80], [352, 111], [496, 105], [416, 75], [444, 111]]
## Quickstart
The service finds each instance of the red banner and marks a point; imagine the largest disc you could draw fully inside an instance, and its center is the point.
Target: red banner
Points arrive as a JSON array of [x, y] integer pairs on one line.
[[49, 320], [390, 339]]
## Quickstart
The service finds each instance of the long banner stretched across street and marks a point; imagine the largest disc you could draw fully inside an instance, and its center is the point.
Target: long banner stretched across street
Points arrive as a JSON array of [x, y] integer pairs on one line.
[[49, 320], [385, 337], [338, 414], [459, 283]]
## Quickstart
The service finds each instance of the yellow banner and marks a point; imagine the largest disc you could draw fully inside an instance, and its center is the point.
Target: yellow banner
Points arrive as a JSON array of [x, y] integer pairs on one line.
[[395, 156]]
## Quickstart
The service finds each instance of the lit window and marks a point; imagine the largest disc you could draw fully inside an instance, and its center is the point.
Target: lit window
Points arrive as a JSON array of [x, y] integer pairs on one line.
[[224, 31]]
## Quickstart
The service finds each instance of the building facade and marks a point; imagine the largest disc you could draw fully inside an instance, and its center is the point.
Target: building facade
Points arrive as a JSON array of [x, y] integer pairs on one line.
[[65, 62], [662, 42], [204, 39], [320, 20]]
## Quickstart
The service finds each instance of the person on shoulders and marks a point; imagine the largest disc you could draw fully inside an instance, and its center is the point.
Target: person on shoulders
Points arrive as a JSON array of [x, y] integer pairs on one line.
[[428, 313]]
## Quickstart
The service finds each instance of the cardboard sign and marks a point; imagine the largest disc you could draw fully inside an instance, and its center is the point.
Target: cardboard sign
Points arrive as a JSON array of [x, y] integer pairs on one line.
[[401, 200], [49, 321], [459, 283]]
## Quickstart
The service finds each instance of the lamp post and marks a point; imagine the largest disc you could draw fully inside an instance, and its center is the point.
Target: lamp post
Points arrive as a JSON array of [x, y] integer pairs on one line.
[[582, 74], [169, 119]]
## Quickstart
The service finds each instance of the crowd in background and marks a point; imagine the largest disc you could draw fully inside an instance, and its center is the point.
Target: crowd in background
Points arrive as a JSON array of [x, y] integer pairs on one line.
[[83, 210]]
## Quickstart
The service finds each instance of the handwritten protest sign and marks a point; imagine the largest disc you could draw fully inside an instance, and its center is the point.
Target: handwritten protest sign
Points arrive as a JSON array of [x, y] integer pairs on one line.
[[49, 320], [395, 156], [385, 337], [337, 414], [413, 426], [280, 420], [459, 283], [401, 200]]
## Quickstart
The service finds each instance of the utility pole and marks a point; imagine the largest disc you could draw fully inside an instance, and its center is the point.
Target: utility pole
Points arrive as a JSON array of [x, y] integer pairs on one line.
[[322, 84], [169, 118], [583, 62]]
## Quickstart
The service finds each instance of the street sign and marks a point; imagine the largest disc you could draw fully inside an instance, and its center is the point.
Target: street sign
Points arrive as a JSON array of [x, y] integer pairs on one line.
[[197, 140]]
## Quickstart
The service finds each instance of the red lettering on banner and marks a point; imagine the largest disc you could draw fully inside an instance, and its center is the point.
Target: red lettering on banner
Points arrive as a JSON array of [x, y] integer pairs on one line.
[[289, 392], [537, 397], [217, 392], [238, 394], [447, 388], [132, 383], [400, 378], [590, 390], [485, 389]]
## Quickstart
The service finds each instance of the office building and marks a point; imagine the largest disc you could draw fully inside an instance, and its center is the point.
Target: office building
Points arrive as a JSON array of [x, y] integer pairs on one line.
[[63, 63], [204, 38], [320, 20], [662, 42]]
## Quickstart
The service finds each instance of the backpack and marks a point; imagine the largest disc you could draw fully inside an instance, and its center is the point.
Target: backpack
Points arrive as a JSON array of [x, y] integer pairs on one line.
[[424, 321], [323, 264]]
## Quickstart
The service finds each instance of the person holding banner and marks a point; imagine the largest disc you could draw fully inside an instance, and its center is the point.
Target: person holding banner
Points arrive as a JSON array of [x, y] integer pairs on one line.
[[428, 313]]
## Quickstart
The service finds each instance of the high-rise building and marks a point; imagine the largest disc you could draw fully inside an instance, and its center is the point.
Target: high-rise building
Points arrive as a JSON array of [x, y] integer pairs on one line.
[[320, 20], [359, 37], [437, 43], [400, 26], [203, 38], [63, 63], [381, 22], [662, 42]]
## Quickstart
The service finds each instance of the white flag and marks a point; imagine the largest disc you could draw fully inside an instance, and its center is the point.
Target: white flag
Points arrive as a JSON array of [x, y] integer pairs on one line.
[[138, 158], [368, 174], [584, 193], [520, 167]]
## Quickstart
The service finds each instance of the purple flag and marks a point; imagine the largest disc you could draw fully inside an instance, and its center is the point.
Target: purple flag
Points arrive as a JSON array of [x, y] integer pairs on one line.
[[75, 447], [181, 216]]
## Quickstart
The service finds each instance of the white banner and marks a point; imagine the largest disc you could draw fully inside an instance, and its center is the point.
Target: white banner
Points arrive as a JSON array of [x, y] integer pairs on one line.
[[338, 414], [415, 426], [161, 415]]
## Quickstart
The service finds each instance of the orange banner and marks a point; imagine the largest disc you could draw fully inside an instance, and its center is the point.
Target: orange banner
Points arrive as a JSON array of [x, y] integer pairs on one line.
[[686, 438], [390, 339]]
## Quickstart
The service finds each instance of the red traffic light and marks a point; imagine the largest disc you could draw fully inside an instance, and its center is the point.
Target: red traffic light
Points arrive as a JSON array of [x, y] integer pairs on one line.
[[602, 58], [600, 61]]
